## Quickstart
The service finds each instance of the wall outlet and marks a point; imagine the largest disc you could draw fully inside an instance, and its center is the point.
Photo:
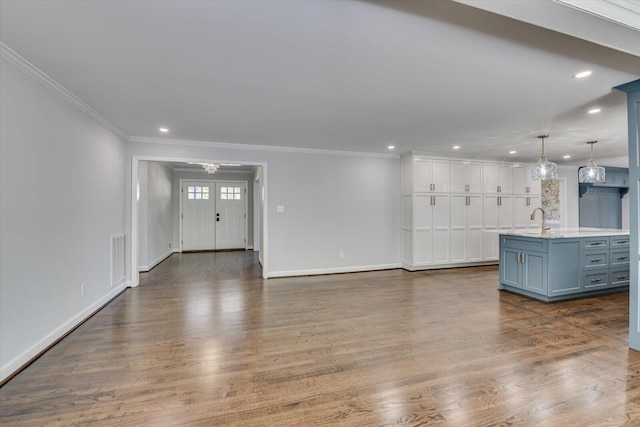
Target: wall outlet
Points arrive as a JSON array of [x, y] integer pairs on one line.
[[82, 286], [279, 208], [340, 255]]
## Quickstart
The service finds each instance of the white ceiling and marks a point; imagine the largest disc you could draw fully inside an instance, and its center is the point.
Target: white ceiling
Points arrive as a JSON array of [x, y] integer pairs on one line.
[[337, 75]]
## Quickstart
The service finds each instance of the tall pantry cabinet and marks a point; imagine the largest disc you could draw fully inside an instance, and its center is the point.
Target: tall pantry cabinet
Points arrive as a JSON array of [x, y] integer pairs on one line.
[[447, 204]]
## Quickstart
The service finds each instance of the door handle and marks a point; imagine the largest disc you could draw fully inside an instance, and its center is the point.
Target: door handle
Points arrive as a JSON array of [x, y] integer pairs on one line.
[[596, 280], [596, 260], [621, 277], [622, 242], [596, 243], [622, 258]]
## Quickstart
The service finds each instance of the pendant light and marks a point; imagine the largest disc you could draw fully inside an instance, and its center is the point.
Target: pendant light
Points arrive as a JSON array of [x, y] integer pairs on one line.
[[544, 170], [592, 172]]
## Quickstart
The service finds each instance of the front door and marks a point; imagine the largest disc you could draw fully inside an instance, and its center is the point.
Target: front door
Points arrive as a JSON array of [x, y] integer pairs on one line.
[[230, 215], [213, 215]]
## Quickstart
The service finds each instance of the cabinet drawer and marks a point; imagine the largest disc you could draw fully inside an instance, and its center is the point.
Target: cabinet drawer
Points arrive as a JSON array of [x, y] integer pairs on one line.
[[619, 257], [595, 280], [619, 277], [619, 242], [538, 245], [596, 243], [595, 259]]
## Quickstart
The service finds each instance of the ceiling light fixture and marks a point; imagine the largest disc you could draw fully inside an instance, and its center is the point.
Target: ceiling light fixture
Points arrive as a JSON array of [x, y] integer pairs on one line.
[[512, 152], [391, 147], [163, 130], [566, 156], [456, 147], [544, 170], [592, 172], [209, 167], [582, 74], [595, 110]]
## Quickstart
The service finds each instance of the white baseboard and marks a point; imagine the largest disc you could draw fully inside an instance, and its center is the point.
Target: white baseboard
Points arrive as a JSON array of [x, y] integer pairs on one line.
[[314, 272], [425, 266], [145, 268], [250, 247], [14, 365]]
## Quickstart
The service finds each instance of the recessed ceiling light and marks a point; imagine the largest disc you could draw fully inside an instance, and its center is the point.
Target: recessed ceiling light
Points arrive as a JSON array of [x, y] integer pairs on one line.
[[567, 156], [582, 74], [230, 164], [163, 130], [595, 110], [512, 152], [391, 147], [456, 147]]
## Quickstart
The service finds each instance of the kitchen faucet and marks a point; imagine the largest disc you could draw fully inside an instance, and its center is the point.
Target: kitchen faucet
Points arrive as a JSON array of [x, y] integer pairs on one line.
[[543, 227]]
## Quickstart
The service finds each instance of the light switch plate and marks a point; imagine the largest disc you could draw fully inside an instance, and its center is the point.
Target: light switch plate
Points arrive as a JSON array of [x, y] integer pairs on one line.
[[279, 208]]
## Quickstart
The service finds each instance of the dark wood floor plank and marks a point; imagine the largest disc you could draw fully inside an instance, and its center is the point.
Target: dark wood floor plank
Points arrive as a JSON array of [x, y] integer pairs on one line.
[[205, 341]]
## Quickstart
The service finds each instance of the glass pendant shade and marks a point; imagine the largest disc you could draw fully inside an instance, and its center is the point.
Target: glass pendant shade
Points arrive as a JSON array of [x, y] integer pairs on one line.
[[592, 172], [544, 170]]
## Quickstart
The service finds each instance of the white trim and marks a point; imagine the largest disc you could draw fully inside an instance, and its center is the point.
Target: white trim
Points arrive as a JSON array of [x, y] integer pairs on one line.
[[219, 171], [145, 268], [14, 365], [250, 247], [317, 271], [39, 76], [431, 266], [280, 148]]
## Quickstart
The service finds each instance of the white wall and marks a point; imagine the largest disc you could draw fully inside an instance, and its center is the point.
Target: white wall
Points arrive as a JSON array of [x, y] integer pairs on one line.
[[155, 213], [204, 176], [62, 189], [333, 203]]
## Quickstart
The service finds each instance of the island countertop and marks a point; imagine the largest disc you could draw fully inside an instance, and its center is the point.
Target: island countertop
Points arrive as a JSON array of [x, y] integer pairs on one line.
[[563, 233]]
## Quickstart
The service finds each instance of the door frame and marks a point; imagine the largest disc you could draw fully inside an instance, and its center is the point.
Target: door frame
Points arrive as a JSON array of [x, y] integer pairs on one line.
[[133, 276], [215, 182]]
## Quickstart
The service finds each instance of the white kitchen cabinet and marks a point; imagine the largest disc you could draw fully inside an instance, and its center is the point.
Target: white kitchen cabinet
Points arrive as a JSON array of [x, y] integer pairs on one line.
[[497, 178], [523, 206], [449, 203], [465, 177], [430, 175], [466, 228], [522, 183], [431, 225], [498, 215]]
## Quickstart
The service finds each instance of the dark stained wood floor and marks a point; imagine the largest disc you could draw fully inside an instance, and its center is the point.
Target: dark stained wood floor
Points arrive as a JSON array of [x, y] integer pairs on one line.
[[205, 341]]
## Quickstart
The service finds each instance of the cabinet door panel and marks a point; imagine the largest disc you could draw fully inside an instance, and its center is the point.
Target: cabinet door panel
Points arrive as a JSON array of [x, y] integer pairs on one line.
[[490, 177], [423, 247], [440, 175], [505, 178], [519, 180], [490, 211], [423, 212], [440, 246], [458, 245], [510, 267], [474, 177], [422, 175], [505, 213], [474, 245], [457, 181], [521, 212], [475, 220], [441, 217], [490, 246], [535, 272]]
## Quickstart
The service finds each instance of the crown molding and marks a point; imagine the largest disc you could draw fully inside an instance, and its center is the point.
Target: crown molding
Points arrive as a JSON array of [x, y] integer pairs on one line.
[[13, 58], [227, 145], [219, 171]]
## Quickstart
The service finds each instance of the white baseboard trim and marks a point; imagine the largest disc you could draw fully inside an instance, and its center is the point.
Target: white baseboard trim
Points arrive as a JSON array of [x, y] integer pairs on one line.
[[418, 267], [145, 268], [314, 272], [250, 247], [18, 362]]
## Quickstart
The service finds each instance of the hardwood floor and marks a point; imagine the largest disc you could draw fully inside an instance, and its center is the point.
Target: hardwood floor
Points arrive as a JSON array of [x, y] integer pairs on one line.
[[205, 341]]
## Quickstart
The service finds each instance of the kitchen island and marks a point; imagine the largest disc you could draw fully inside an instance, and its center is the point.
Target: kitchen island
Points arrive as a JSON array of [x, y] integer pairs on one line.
[[564, 263]]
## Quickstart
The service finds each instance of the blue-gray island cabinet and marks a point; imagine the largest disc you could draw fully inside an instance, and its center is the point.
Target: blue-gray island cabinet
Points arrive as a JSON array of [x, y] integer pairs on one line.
[[564, 264]]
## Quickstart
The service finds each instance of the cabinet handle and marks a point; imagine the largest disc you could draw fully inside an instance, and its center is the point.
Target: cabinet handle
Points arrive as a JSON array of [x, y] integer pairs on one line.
[[595, 243], [622, 258], [432, 201], [622, 242], [596, 260], [466, 200], [621, 277], [527, 190], [519, 257], [498, 190], [528, 201], [596, 280]]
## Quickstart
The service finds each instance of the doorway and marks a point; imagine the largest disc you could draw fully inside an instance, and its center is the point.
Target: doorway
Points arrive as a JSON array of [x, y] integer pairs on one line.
[[213, 215]]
